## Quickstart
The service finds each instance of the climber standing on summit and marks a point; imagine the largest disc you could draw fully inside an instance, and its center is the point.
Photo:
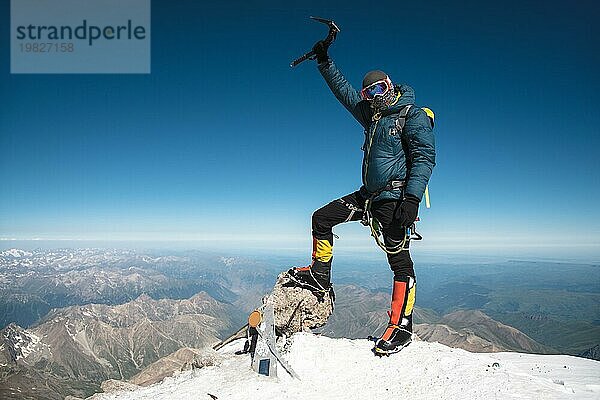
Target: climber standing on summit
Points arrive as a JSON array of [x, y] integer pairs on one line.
[[399, 156]]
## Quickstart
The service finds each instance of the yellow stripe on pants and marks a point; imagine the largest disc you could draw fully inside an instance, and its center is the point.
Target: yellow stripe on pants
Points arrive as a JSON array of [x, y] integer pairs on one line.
[[410, 302]]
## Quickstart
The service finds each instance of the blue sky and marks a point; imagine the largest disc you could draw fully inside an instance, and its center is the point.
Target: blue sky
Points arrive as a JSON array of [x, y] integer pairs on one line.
[[223, 140]]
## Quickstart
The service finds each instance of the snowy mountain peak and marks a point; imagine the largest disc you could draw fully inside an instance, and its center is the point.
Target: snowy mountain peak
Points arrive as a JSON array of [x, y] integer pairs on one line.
[[17, 343], [343, 368], [15, 253]]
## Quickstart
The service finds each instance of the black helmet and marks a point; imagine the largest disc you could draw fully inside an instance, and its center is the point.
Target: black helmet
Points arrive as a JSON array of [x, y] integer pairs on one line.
[[372, 77]]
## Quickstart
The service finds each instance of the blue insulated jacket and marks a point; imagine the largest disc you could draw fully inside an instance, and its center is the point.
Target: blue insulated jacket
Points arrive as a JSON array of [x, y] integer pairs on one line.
[[388, 154]]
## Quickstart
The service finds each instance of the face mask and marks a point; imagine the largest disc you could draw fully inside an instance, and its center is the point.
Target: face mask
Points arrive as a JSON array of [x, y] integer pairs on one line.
[[383, 101], [380, 94]]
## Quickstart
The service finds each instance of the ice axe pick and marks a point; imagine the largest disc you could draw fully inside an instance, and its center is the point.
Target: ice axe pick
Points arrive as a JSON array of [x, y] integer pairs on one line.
[[333, 31]]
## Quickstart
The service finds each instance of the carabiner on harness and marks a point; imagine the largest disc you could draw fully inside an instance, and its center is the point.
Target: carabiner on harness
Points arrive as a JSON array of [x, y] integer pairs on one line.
[[377, 232]]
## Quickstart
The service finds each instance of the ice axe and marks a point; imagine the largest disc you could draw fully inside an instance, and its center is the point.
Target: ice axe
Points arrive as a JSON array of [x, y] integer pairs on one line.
[[333, 31]]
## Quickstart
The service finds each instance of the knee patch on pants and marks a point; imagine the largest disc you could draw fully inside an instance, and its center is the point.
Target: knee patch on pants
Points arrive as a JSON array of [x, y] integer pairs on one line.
[[322, 250]]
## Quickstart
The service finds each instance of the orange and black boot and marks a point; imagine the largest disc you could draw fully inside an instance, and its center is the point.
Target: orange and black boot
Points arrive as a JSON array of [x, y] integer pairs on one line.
[[399, 331], [317, 276]]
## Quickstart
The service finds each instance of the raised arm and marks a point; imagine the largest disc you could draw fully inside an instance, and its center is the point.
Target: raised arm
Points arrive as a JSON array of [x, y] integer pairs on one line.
[[421, 148], [342, 89]]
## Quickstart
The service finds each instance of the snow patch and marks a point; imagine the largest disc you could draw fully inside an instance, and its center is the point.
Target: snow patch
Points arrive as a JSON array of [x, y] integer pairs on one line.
[[25, 345], [343, 368], [228, 261]]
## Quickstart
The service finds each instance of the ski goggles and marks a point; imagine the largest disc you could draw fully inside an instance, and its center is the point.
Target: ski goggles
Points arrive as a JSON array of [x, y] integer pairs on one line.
[[378, 88]]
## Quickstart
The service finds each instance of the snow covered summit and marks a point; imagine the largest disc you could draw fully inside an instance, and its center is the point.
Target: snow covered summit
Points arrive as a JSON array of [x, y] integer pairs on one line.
[[15, 253], [346, 369]]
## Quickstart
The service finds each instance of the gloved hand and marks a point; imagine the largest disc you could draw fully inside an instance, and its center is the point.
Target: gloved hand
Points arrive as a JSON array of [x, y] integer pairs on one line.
[[408, 210], [320, 48]]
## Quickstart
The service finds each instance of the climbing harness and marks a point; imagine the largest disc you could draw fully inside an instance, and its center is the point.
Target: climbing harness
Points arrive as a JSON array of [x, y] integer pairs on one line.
[[410, 232]]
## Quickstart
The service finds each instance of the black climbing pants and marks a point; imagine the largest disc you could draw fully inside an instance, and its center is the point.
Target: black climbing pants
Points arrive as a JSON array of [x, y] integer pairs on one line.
[[350, 208]]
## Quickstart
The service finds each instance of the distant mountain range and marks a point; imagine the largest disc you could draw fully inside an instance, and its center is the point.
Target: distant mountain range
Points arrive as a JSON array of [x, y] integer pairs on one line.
[[360, 312], [74, 349], [554, 303], [34, 282], [475, 331]]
